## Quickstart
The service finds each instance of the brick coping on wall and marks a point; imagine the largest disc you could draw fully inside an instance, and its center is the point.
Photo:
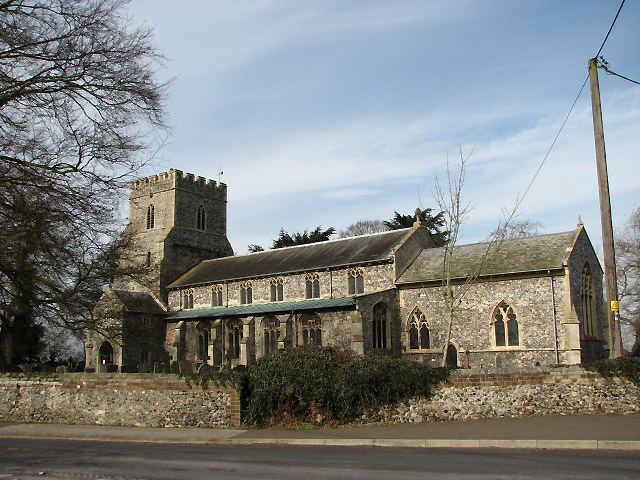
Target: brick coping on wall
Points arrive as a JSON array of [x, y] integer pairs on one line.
[[519, 376], [108, 381]]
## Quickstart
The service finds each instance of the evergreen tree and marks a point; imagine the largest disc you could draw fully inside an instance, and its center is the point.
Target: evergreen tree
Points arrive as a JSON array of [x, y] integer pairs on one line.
[[285, 239], [433, 224]]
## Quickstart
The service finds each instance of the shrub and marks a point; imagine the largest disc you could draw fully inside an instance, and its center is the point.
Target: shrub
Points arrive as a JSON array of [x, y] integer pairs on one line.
[[297, 382], [367, 383], [625, 367], [305, 382]]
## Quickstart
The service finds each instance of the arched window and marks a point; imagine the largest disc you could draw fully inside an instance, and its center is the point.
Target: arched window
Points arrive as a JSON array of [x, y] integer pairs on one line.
[[216, 296], [379, 326], [588, 303], [151, 217], [310, 329], [186, 298], [201, 219], [204, 338], [506, 331], [246, 293], [355, 280], [418, 331], [270, 333], [234, 335], [312, 281], [277, 290], [145, 357], [105, 354]]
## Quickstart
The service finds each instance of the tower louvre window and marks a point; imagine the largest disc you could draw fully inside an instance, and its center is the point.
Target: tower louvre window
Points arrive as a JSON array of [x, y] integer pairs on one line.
[[201, 219], [151, 217]]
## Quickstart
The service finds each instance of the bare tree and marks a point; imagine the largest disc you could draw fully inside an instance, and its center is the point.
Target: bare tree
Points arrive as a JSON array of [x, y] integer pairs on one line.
[[79, 104], [628, 269], [455, 210], [364, 227], [517, 229]]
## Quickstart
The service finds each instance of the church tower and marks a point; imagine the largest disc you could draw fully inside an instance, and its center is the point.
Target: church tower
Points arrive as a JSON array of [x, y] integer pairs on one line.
[[176, 220]]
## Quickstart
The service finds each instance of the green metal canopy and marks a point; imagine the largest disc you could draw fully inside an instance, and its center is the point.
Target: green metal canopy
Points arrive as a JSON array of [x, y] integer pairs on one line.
[[264, 308]]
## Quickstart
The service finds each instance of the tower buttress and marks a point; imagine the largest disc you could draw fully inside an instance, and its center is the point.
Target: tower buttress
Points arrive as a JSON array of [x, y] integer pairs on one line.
[[176, 220]]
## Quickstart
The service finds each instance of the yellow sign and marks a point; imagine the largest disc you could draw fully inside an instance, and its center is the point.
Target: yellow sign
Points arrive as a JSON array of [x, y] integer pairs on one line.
[[615, 306]]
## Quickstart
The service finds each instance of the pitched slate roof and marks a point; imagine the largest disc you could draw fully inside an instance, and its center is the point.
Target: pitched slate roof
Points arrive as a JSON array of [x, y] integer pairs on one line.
[[262, 308], [539, 253], [139, 302], [315, 256]]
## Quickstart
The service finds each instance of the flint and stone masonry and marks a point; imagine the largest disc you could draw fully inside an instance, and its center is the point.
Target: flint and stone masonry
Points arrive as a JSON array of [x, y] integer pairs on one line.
[[137, 400], [534, 302]]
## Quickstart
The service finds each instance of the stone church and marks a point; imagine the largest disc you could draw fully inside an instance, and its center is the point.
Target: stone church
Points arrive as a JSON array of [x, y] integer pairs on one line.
[[532, 301]]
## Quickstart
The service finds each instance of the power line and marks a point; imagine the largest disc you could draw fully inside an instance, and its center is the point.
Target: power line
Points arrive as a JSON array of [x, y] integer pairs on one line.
[[555, 139], [604, 65], [566, 118], [610, 28]]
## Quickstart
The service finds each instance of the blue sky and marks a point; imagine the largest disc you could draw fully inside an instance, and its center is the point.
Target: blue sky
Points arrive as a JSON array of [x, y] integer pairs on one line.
[[324, 113]]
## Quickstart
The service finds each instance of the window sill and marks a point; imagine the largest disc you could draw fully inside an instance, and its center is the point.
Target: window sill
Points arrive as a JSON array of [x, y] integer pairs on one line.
[[429, 350]]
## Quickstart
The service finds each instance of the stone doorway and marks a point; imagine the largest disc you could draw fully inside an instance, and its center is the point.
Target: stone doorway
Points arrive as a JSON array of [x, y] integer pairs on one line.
[[105, 355], [452, 357]]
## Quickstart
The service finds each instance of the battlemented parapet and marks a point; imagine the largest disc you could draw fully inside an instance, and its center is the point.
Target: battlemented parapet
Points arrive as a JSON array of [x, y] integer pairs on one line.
[[177, 179]]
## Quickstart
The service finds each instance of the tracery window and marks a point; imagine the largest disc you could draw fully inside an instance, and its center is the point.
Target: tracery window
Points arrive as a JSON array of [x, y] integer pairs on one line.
[[151, 217], [216, 296], [418, 331], [588, 303], [246, 293], [234, 336], [355, 280], [201, 219], [145, 357], [186, 298], [270, 333], [204, 338], [277, 289], [312, 281], [506, 331], [310, 329], [379, 325]]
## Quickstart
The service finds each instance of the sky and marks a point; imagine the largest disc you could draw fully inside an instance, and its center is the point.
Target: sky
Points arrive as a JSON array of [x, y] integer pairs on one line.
[[329, 112]]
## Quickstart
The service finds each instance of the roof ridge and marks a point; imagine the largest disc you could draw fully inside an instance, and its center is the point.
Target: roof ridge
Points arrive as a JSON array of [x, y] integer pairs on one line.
[[324, 242], [485, 242]]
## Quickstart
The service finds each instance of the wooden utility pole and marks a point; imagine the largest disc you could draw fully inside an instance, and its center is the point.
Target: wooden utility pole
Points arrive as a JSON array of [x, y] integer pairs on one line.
[[605, 216]]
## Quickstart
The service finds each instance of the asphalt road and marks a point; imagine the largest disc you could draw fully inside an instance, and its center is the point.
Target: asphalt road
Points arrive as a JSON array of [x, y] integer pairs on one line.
[[24, 459]]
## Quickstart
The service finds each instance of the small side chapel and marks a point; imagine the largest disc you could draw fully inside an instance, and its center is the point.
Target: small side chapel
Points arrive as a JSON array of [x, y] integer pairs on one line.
[[535, 301]]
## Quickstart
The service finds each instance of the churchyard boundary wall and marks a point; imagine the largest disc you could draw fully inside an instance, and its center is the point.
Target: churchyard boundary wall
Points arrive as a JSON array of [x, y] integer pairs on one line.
[[144, 400], [470, 395], [162, 400]]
